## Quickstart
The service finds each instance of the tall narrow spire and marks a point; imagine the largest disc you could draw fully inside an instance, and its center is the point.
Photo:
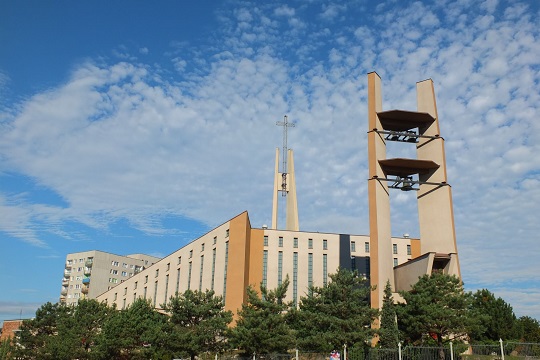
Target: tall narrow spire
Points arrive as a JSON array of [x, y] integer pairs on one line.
[[284, 182]]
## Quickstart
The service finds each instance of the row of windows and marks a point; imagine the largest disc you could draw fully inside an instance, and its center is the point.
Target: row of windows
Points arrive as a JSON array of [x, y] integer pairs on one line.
[[295, 271], [295, 242], [325, 245], [201, 273], [395, 249], [123, 273], [74, 261], [214, 242]]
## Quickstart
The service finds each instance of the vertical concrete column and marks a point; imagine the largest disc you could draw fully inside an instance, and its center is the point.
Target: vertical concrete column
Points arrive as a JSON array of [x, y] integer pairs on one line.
[[381, 263], [292, 203], [435, 208], [277, 186]]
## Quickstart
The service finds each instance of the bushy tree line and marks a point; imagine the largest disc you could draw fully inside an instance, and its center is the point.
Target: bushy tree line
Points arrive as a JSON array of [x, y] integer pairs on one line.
[[436, 310]]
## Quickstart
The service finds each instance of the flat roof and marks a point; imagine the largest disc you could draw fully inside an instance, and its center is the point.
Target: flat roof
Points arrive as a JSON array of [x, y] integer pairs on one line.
[[402, 120]]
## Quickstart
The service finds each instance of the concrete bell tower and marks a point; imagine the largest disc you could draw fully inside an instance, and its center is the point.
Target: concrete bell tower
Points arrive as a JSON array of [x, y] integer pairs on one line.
[[285, 183], [426, 174]]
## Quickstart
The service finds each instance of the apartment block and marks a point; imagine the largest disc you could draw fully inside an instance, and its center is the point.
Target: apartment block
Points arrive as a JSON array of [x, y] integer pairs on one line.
[[90, 273]]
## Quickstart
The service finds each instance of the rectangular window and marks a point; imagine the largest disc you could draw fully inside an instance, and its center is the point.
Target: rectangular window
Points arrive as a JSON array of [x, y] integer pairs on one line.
[[166, 288], [295, 278], [179, 260], [227, 233], [123, 304], [146, 279], [135, 285], [115, 296], [168, 266], [265, 269], [325, 269], [157, 273], [215, 240], [124, 265], [325, 244], [190, 254], [310, 243], [366, 247], [124, 273], [353, 246], [310, 270], [265, 240], [177, 281], [134, 297], [280, 241], [189, 276], [295, 243], [394, 248], [202, 247], [201, 273], [213, 268], [408, 249], [155, 293], [395, 262], [225, 270], [125, 291], [280, 268], [144, 293]]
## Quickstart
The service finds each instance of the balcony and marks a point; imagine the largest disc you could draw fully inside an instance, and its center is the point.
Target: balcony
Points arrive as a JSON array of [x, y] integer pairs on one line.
[[63, 292], [68, 266], [86, 281], [87, 271], [62, 299], [84, 290], [65, 282], [67, 274], [89, 263]]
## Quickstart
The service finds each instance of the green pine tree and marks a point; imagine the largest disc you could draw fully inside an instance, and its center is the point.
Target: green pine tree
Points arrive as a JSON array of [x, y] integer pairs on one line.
[[388, 332], [336, 314], [498, 318], [136, 332], [262, 327], [436, 307], [198, 323]]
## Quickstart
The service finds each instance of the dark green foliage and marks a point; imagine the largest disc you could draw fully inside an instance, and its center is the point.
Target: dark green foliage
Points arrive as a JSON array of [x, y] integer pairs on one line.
[[436, 306], [261, 327], [388, 331], [36, 337], [497, 318], [6, 349], [530, 329], [133, 333], [197, 324], [335, 314]]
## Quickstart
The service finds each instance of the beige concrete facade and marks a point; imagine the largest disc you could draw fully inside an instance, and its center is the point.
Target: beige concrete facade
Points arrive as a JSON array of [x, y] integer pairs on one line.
[[285, 184], [90, 273], [437, 248], [234, 255]]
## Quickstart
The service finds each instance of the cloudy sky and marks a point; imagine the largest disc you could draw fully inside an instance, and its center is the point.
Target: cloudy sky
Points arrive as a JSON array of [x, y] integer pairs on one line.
[[134, 126]]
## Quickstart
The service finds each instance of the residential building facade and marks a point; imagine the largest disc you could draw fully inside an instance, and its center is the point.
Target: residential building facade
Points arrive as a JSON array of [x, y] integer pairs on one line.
[[90, 273]]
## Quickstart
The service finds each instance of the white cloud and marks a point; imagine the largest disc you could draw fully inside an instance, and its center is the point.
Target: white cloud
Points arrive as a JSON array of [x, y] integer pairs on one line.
[[119, 141]]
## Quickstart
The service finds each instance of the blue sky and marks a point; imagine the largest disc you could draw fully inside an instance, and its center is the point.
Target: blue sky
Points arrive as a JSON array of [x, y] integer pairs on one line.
[[134, 126]]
